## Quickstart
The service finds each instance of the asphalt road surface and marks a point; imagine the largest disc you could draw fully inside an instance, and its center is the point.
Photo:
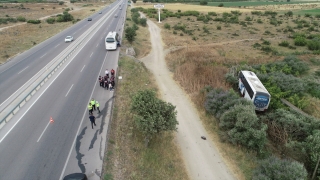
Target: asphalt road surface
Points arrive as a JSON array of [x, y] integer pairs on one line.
[[33, 148]]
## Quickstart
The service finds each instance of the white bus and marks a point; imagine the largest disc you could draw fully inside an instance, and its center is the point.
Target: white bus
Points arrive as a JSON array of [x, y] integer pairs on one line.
[[112, 41], [252, 89]]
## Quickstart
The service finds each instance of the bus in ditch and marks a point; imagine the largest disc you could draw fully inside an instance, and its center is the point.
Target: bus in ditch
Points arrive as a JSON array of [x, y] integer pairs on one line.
[[112, 41], [251, 88]]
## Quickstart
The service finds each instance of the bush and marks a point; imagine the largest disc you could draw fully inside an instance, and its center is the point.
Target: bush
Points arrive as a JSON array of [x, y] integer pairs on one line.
[[314, 44], [21, 19], [50, 20], [300, 41], [275, 168], [218, 27], [284, 44], [61, 2], [220, 5], [34, 21], [167, 26], [143, 22], [243, 127], [130, 34], [203, 2]]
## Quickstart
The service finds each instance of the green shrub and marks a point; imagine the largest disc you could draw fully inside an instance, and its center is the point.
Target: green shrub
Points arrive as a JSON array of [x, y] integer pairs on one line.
[[218, 27], [300, 41], [243, 127], [275, 168], [50, 20], [284, 44], [61, 2], [220, 5], [314, 44], [143, 22], [259, 21], [212, 14], [203, 2], [167, 26], [34, 21], [21, 19]]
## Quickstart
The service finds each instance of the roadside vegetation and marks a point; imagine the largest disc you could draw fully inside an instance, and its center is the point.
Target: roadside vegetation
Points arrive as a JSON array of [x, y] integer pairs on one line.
[[23, 36], [140, 144], [283, 50]]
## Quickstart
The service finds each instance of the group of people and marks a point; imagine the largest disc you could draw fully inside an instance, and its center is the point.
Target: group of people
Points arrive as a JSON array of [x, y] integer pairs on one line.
[[107, 81]]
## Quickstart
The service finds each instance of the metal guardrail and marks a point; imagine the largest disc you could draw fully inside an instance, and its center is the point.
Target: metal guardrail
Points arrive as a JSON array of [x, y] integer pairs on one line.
[[27, 97]]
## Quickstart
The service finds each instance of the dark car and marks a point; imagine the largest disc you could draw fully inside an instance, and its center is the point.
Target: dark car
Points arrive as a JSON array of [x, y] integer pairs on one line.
[[89, 19], [75, 176]]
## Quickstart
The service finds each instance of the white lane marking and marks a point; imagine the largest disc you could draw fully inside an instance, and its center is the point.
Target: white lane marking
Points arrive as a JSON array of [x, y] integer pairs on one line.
[[36, 100], [69, 90], [97, 45], [43, 132], [23, 69], [56, 45], [91, 54], [85, 111], [82, 68], [43, 55]]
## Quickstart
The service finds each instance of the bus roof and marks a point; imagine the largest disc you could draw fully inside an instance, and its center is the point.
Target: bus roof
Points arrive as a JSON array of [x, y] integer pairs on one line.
[[112, 34], [254, 81]]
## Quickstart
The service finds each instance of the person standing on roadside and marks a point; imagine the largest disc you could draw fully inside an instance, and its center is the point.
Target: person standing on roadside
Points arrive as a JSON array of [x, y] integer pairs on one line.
[[101, 81], [98, 105], [112, 72], [93, 104], [92, 120], [107, 73], [90, 108], [106, 82]]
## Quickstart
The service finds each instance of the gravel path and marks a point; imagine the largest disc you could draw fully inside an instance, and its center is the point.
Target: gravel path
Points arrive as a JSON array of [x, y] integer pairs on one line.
[[201, 158]]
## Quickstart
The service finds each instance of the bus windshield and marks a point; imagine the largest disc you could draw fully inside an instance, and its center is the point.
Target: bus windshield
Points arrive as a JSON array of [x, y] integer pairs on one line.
[[110, 40], [261, 100]]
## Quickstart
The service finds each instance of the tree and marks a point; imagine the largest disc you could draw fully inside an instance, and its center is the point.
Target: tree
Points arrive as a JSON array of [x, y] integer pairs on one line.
[[130, 34], [152, 115], [275, 168]]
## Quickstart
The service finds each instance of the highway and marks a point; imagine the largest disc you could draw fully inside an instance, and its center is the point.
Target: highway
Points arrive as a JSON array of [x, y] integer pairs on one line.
[[33, 148]]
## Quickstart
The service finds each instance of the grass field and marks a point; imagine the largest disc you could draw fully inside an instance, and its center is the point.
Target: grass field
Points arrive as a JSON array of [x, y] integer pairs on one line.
[[212, 47], [252, 3]]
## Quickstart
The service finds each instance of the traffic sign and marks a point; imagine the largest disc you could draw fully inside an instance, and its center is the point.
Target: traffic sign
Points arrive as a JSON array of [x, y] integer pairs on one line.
[[158, 6]]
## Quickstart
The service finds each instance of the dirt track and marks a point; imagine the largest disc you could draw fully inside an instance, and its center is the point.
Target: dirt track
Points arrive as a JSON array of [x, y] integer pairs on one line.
[[201, 158]]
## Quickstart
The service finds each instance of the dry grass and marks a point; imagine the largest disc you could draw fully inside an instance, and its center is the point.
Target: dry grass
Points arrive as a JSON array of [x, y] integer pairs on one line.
[[20, 38], [127, 157], [187, 7], [141, 44], [203, 59]]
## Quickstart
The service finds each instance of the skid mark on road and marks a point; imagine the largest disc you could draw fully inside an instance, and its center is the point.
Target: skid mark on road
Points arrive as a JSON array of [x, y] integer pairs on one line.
[[79, 155]]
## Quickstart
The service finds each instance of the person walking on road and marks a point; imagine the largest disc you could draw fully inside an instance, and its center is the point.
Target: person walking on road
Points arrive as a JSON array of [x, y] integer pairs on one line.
[[90, 109], [92, 120], [93, 104], [98, 105]]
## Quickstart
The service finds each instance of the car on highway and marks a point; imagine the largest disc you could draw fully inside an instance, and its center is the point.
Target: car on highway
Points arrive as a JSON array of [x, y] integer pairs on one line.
[[68, 39], [120, 8], [75, 176], [89, 19], [115, 16], [100, 12]]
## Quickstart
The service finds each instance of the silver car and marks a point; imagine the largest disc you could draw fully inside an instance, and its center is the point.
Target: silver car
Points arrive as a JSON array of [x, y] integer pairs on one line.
[[68, 39]]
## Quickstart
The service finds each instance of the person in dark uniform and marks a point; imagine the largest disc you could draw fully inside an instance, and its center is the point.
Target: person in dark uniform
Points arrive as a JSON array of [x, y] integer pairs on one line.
[[101, 81], [106, 83], [92, 120]]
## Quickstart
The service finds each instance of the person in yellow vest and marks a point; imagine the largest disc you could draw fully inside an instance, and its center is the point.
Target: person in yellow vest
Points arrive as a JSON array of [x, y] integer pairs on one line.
[[93, 104], [90, 108], [98, 105]]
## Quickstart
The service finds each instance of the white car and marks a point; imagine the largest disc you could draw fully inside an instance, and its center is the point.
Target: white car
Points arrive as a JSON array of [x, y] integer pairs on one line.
[[68, 39]]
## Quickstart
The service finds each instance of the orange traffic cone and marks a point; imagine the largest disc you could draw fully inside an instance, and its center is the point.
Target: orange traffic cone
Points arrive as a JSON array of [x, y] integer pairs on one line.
[[51, 120]]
